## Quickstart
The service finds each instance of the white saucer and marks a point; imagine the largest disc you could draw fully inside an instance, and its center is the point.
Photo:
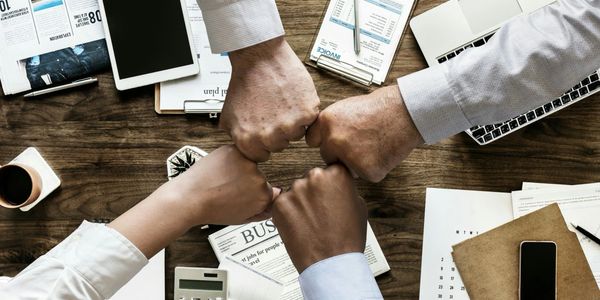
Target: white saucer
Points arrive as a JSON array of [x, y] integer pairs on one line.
[[50, 182]]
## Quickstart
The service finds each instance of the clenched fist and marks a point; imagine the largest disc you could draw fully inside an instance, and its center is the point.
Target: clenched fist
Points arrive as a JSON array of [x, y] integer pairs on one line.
[[271, 99], [370, 134], [223, 188], [322, 216]]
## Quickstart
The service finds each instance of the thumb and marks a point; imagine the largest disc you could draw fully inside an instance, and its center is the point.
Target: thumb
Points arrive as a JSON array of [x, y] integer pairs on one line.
[[313, 135]]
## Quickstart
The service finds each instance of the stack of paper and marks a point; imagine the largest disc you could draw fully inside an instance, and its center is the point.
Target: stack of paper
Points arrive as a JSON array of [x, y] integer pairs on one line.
[[452, 216]]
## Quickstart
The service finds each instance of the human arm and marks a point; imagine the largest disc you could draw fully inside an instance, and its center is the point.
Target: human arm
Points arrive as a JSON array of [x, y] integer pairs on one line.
[[323, 224], [531, 60], [97, 260], [271, 97]]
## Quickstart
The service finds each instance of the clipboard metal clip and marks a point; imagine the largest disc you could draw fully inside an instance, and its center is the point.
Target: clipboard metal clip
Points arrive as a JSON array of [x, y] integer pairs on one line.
[[212, 107], [345, 70]]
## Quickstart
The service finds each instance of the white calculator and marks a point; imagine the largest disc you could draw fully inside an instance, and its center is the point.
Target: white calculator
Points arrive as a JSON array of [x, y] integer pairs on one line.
[[200, 284]]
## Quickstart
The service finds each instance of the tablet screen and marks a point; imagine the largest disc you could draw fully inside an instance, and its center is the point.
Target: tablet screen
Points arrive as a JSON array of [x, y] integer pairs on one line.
[[147, 36]]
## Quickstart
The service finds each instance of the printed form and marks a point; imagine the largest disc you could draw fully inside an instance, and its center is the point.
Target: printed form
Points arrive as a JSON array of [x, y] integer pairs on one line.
[[579, 204], [382, 23]]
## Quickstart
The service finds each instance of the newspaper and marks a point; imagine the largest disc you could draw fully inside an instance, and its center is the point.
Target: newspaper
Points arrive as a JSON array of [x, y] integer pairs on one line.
[[47, 42], [259, 246]]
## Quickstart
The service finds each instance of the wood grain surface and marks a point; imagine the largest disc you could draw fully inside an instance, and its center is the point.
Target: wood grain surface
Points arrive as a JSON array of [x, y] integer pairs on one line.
[[109, 149]]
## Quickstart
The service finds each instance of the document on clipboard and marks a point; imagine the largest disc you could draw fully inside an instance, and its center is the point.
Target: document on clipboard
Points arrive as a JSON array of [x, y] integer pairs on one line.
[[205, 92], [382, 24]]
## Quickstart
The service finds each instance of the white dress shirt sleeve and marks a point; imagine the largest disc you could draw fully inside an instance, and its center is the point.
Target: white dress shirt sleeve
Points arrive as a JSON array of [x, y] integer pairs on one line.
[[237, 24], [530, 61], [345, 276], [94, 262]]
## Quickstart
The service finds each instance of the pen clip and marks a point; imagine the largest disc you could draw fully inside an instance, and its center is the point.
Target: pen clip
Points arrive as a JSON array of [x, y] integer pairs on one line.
[[83, 79]]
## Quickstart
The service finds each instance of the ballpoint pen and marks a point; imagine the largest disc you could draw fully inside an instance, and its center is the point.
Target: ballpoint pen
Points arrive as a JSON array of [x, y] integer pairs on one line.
[[73, 84], [586, 233], [356, 28]]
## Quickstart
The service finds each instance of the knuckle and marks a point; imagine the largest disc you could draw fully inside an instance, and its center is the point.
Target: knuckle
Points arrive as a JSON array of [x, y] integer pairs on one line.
[[374, 175], [282, 204], [299, 185], [316, 173], [338, 170], [325, 117]]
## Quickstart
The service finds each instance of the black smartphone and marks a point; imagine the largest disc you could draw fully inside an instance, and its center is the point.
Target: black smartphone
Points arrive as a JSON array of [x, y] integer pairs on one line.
[[537, 270]]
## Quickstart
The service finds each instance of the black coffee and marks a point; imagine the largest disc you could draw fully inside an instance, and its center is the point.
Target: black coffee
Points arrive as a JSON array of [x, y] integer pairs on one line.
[[15, 185]]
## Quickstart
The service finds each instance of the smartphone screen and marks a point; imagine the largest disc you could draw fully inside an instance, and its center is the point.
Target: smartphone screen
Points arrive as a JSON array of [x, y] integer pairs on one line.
[[538, 271]]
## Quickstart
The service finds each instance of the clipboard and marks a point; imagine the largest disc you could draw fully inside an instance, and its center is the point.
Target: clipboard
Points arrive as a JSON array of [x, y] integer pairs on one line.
[[332, 64], [189, 106]]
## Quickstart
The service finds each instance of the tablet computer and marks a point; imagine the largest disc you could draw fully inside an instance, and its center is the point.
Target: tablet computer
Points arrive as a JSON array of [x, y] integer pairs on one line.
[[149, 41]]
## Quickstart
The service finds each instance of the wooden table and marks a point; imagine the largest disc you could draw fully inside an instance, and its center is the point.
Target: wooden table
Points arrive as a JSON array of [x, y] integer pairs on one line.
[[109, 149]]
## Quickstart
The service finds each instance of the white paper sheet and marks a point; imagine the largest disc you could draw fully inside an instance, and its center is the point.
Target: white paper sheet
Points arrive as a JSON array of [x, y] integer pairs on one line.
[[148, 284], [452, 216], [382, 23], [579, 204], [245, 283]]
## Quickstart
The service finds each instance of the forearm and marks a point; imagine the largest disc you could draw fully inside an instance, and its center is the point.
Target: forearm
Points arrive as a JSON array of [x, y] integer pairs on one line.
[[155, 222], [529, 62]]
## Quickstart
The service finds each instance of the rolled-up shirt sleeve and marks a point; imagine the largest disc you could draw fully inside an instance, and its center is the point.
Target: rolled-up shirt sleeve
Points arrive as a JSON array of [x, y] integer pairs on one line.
[[94, 262], [530, 61], [237, 24], [345, 276]]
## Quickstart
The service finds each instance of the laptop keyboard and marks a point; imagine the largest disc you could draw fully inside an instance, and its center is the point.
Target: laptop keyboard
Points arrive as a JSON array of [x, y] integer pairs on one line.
[[488, 133]]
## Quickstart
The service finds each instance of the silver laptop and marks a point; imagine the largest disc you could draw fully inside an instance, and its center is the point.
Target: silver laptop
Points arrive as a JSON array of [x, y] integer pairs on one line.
[[445, 31]]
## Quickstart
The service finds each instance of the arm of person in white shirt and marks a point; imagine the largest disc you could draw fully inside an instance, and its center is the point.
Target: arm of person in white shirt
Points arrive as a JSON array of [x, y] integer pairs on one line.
[[96, 260], [271, 98], [323, 224], [530, 61]]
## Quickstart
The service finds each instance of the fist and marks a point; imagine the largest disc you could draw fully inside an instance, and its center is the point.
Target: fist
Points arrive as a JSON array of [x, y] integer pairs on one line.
[[321, 216], [270, 101], [223, 188], [370, 134]]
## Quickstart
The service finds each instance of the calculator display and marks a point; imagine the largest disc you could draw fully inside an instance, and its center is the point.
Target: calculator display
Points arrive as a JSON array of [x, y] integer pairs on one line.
[[204, 285]]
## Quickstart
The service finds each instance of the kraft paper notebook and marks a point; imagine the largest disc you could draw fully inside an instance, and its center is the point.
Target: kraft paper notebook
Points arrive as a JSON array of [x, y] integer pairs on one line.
[[489, 263]]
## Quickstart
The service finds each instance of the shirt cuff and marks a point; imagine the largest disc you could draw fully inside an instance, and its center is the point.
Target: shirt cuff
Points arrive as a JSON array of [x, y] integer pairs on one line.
[[431, 104], [345, 276], [233, 25], [104, 257]]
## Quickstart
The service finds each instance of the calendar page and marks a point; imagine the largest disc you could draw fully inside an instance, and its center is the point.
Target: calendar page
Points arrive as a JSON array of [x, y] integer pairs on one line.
[[452, 216]]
